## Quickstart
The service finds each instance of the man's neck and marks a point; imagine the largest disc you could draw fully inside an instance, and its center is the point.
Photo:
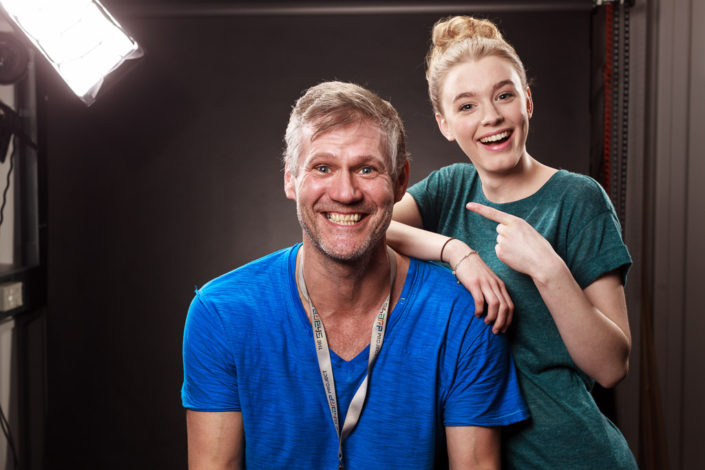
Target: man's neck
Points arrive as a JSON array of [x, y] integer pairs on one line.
[[348, 296], [345, 288]]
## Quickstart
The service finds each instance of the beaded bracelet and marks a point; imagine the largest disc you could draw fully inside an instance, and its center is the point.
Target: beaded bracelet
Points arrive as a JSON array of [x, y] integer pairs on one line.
[[471, 252]]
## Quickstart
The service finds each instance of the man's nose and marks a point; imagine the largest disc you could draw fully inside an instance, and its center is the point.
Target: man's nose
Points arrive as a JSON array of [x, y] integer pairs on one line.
[[344, 188]]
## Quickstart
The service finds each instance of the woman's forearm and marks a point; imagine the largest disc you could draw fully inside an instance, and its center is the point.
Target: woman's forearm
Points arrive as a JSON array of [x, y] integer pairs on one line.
[[592, 322], [489, 292], [416, 242]]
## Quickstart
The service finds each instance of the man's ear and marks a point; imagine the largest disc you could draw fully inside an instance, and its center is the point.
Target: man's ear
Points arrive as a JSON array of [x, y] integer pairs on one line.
[[443, 126], [529, 103], [402, 182], [289, 183]]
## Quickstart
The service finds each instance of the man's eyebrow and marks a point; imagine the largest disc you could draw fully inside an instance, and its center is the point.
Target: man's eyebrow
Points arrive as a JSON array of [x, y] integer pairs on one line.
[[472, 94], [362, 158]]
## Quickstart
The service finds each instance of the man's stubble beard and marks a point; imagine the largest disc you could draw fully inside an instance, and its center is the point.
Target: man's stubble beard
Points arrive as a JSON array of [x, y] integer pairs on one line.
[[362, 252]]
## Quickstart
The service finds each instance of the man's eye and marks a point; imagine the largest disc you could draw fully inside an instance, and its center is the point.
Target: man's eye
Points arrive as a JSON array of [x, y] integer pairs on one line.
[[367, 170], [322, 169]]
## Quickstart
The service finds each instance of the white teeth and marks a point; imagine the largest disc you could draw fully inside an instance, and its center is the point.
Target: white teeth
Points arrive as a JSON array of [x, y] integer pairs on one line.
[[344, 219], [495, 138]]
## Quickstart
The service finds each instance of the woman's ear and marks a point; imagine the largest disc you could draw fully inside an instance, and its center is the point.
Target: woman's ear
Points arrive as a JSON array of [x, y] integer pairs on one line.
[[443, 126], [529, 103]]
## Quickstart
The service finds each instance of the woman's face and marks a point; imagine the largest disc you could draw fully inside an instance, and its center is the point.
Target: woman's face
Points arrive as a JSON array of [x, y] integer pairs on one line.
[[486, 110]]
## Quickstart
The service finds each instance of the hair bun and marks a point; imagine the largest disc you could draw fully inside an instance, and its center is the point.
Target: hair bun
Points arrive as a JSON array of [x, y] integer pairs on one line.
[[450, 30], [459, 39]]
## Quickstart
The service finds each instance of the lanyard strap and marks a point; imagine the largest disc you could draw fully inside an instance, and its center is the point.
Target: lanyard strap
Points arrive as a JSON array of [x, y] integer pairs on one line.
[[324, 362]]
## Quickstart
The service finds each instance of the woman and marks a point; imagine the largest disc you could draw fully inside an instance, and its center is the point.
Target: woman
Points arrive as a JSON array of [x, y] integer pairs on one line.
[[550, 236]]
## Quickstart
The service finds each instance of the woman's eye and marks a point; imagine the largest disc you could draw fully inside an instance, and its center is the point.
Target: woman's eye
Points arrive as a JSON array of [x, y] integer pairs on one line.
[[505, 96], [466, 107]]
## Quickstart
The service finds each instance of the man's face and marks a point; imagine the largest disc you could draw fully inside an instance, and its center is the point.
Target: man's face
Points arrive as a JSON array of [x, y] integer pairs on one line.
[[344, 190]]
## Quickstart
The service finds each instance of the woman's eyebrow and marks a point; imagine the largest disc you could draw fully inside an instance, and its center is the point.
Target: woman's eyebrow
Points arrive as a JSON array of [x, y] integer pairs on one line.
[[472, 94], [503, 83]]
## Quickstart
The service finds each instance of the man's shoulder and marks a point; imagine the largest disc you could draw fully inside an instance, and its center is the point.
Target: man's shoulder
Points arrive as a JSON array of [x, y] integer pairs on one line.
[[270, 269], [432, 269], [434, 282], [446, 310]]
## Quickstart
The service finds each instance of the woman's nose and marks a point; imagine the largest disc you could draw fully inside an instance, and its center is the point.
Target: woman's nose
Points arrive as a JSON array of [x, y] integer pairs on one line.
[[492, 116]]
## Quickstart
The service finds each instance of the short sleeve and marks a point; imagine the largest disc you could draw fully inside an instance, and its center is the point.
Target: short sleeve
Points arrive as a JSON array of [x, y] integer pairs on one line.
[[428, 194], [595, 245], [484, 390], [210, 378]]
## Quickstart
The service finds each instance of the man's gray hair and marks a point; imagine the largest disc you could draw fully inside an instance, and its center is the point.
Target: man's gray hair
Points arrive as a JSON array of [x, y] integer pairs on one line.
[[332, 104]]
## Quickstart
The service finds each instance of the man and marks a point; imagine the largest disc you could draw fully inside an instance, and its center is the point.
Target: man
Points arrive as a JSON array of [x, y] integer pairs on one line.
[[338, 352]]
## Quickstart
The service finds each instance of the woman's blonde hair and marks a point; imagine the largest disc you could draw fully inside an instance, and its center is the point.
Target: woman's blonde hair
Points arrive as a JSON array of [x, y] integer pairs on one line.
[[460, 39]]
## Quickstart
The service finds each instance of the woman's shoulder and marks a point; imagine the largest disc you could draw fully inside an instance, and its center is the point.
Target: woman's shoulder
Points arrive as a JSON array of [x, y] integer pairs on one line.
[[453, 174], [455, 170], [577, 192], [576, 187], [445, 180], [569, 177]]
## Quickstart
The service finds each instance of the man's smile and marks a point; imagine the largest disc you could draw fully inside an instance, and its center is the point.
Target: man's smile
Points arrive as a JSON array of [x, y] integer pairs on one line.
[[343, 219]]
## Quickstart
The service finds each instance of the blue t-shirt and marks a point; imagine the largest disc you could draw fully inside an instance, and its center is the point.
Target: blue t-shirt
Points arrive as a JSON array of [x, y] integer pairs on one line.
[[248, 346]]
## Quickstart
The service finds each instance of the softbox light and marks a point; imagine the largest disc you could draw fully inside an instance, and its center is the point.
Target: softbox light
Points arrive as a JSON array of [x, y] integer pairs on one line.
[[80, 39]]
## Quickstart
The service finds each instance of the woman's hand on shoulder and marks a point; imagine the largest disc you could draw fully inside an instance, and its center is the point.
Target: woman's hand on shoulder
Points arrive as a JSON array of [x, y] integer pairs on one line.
[[485, 286]]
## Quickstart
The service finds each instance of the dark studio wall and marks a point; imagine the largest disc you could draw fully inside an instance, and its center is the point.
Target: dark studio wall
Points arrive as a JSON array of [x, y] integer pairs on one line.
[[173, 177]]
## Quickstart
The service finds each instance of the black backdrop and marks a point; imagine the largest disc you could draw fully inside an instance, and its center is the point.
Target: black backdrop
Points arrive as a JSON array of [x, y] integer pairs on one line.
[[173, 177]]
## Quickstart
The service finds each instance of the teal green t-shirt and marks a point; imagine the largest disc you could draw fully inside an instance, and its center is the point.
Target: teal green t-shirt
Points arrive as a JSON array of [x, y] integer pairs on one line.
[[572, 211]]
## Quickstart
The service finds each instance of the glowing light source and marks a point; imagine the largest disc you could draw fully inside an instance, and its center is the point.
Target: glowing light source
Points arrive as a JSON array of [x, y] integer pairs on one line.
[[80, 38]]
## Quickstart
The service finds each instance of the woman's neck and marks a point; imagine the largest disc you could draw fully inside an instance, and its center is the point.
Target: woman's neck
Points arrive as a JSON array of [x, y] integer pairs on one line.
[[527, 177]]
